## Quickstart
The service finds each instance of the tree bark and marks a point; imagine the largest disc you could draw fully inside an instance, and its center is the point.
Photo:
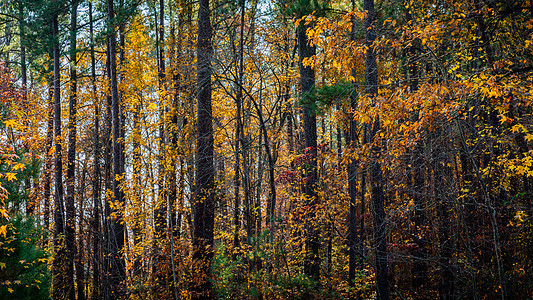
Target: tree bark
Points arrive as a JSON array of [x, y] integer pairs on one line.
[[48, 160], [96, 246], [376, 177], [352, 178], [307, 82], [70, 229], [117, 266], [59, 268], [204, 190]]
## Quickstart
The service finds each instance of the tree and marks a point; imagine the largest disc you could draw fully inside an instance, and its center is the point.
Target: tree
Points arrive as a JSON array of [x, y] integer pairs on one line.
[[376, 175], [307, 82], [204, 202], [117, 266], [60, 281], [70, 229]]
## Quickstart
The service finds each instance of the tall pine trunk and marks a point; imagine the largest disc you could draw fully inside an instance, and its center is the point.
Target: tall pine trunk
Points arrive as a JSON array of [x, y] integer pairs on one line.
[[59, 268], [204, 190], [307, 82], [96, 246], [117, 264], [48, 161], [70, 229], [376, 176], [354, 242]]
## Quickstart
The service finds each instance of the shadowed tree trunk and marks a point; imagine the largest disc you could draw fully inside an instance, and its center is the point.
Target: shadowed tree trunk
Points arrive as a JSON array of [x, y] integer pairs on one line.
[[96, 176], [160, 211], [205, 172], [307, 82], [59, 268], [70, 229], [48, 160], [117, 265], [352, 179], [376, 176]]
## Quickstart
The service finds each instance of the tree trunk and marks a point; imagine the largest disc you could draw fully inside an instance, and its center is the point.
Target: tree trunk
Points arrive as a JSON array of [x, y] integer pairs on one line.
[[23, 69], [59, 267], [204, 190], [352, 177], [70, 229], [96, 177], [48, 160], [117, 266], [376, 178], [79, 263], [160, 212], [307, 82]]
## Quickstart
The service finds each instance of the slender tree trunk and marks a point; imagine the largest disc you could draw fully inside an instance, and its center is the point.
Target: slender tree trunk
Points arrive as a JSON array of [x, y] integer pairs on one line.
[[237, 185], [8, 35], [160, 212], [352, 177], [48, 160], [137, 181], [204, 190], [59, 268], [173, 132], [96, 176], [378, 215], [70, 229], [118, 270], [79, 263], [239, 143], [108, 170], [307, 82], [22, 31]]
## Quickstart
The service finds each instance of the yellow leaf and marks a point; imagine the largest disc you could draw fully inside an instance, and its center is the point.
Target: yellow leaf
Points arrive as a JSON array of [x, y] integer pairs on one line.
[[10, 290], [10, 123], [19, 166], [3, 230], [11, 176]]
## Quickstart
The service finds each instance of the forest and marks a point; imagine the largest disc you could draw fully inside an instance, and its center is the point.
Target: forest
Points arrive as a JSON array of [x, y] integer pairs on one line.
[[274, 149]]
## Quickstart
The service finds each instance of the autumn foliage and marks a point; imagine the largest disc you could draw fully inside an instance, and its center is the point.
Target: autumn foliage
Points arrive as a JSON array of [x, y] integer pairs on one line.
[[230, 167]]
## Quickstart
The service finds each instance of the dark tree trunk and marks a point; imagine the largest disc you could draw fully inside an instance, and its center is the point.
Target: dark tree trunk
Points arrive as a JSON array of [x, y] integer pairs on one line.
[[376, 176], [204, 189], [239, 143], [23, 69], [307, 82], [59, 267], [108, 170], [48, 160], [237, 185], [117, 266], [173, 132], [352, 177], [70, 229], [160, 212], [79, 263], [96, 246]]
